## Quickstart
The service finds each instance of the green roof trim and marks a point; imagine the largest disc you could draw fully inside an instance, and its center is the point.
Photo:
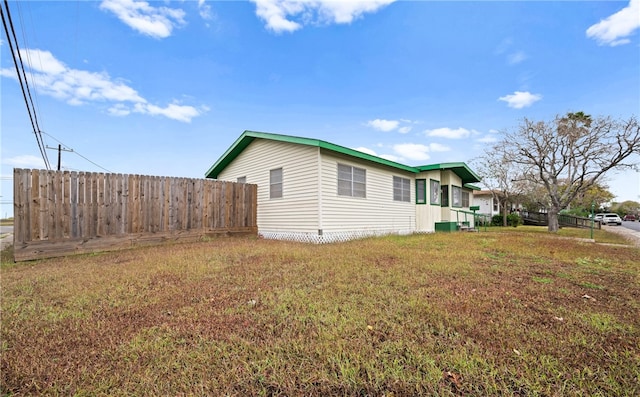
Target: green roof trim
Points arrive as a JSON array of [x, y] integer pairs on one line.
[[248, 136], [460, 169]]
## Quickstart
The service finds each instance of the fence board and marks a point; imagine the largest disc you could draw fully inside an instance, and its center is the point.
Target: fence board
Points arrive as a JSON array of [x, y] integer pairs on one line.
[[42, 204], [66, 205], [35, 207], [61, 213]]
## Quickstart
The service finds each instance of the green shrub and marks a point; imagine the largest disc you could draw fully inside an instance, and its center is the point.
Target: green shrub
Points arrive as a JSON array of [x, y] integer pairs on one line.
[[496, 220], [514, 220]]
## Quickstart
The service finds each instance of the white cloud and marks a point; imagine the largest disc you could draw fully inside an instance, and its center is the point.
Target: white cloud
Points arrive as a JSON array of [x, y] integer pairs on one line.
[[437, 147], [366, 150], [504, 46], [488, 139], [75, 86], [390, 157], [172, 111], [79, 87], [383, 125], [278, 14], [157, 22], [391, 125], [615, 29], [516, 57], [205, 10], [412, 151], [519, 99], [119, 109], [25, 161], [513, 56], [449, 133]]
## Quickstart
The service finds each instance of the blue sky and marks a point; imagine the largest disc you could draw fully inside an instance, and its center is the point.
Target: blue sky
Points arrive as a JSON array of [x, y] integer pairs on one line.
[[164, 87]]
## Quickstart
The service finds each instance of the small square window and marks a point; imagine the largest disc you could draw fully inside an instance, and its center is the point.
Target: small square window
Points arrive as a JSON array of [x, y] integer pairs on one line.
[[352, 181]]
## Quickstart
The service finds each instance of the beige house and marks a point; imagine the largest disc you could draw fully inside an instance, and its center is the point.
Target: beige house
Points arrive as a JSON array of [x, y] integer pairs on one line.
[[315, 191]]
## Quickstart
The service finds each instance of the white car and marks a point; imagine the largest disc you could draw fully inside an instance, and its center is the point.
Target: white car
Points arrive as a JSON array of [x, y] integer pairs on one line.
[[608, 219]]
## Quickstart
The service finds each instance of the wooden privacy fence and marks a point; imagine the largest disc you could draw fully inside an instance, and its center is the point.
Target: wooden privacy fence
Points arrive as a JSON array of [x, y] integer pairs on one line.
[[60, 212]]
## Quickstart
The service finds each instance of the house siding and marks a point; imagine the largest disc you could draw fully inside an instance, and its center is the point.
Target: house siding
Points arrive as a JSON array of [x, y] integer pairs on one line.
[[297, 210], [377, 213]]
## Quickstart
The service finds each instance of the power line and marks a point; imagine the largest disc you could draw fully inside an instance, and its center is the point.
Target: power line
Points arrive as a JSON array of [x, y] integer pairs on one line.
[[26, 92], [28, 55], [22, 79], [76, 152]]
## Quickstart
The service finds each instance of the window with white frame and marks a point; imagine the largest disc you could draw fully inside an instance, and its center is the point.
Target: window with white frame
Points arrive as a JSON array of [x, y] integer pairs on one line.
[[352, 181], [401, 189], [275, 183]]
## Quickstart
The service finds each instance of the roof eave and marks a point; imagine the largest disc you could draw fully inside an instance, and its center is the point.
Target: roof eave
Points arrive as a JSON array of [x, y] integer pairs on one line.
[[248, 136], [461, 169]]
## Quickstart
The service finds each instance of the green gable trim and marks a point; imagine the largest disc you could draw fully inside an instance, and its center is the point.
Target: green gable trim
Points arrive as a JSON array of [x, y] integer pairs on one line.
[[248, 136], [460, 169]]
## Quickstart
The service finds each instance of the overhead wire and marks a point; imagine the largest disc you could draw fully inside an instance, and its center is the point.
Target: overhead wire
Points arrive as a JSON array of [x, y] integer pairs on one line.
[[32, 108], [28, 55], [74, 151], [22, 79]]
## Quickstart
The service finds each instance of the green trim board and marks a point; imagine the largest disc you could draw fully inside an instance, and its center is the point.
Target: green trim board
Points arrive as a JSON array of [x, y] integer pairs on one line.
[[460, 169]]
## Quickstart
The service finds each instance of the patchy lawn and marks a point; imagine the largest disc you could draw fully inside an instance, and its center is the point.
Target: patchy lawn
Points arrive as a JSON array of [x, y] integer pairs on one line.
[[509, 312]]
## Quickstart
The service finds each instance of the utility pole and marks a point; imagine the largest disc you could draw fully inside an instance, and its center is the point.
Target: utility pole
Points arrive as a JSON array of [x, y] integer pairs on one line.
[[60, 150]]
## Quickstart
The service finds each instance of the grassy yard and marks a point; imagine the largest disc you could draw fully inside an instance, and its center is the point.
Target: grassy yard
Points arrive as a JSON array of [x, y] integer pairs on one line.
[[503, 312]]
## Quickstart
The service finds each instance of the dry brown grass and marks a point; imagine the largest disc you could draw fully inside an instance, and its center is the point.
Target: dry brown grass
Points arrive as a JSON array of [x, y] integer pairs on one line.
[[510, 312]]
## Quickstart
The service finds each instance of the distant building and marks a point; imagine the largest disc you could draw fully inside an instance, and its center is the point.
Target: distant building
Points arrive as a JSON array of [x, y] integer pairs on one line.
[[488, 202]]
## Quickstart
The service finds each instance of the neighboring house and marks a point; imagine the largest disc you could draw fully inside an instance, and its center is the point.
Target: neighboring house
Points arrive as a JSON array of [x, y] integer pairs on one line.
[[491, 202], [315, 191], [487, 201]]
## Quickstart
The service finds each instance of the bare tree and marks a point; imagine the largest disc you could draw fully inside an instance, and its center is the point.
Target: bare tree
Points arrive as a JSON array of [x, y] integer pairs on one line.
[[502, 177], [570, 154]]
